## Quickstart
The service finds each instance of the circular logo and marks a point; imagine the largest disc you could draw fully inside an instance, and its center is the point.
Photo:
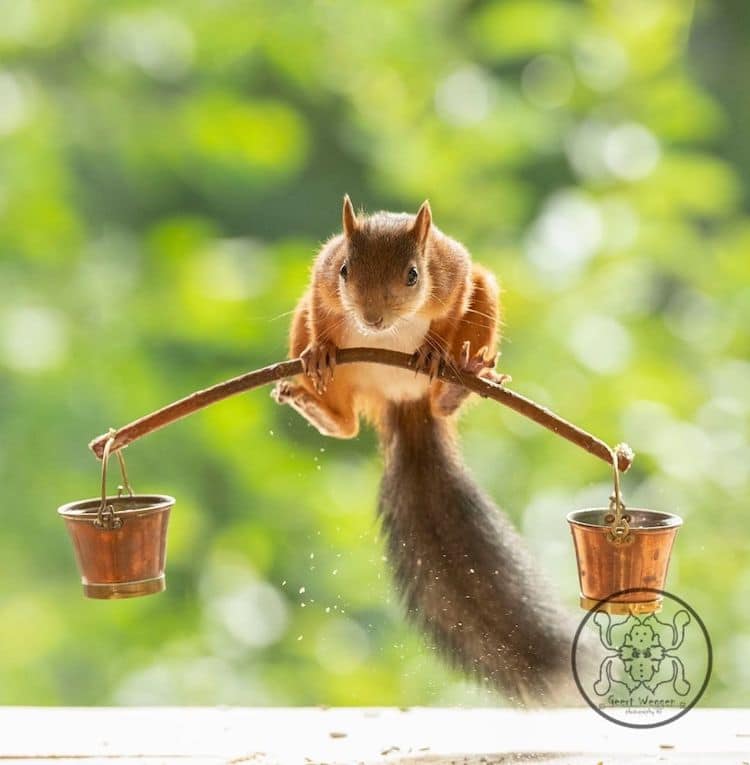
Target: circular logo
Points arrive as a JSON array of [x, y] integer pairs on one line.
[[642, 670]]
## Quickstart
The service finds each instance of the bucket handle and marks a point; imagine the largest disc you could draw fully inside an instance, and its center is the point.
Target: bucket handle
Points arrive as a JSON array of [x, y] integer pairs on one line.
[[619, 521], [106, 518]]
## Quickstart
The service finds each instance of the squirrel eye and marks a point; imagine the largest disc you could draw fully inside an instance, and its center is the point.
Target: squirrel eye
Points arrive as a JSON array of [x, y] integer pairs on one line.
[[344, 272], [411, 277]]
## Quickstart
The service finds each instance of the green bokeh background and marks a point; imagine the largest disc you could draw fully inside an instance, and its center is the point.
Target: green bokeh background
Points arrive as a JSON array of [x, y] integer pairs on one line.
[[167, 172]]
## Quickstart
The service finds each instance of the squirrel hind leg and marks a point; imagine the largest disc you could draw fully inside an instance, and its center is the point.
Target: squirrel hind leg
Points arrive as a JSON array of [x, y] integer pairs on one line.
[[314, 408]]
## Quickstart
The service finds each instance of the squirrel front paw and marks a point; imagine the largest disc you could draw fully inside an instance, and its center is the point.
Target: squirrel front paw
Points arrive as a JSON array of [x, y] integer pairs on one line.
[[318, 363], [430, 359]]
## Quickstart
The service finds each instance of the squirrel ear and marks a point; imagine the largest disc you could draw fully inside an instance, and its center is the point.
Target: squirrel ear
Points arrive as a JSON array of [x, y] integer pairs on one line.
[[421, 226], [349, 219]]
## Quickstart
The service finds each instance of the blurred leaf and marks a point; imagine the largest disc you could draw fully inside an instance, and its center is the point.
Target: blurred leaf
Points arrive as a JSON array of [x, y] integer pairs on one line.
[[167, 174]]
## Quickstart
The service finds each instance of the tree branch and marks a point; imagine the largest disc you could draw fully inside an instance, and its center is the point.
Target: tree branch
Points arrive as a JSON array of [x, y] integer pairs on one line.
[[484, 388]]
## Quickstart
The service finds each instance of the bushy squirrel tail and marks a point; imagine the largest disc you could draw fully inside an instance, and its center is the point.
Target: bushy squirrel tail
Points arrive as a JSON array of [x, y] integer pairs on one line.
[[464, 572]]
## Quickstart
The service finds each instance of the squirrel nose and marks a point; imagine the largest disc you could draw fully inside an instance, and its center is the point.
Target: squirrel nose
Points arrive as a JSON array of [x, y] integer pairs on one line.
[[377, 322]]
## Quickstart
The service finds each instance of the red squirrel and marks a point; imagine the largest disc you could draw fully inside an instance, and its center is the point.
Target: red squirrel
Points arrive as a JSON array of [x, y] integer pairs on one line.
[[396, 281]]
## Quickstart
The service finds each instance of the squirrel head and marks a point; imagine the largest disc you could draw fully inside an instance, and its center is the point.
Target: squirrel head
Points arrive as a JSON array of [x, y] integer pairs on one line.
[[382, 267]]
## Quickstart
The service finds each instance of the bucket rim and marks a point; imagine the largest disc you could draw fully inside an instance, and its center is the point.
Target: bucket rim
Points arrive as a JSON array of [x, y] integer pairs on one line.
[[88, 509], [673, 521]]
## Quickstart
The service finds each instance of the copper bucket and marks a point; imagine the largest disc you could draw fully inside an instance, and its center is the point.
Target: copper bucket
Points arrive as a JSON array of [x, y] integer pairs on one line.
[[622, 554], [120, 541]]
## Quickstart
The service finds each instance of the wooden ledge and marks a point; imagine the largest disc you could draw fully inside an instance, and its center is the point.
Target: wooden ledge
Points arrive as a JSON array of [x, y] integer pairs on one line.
[[420, 736]]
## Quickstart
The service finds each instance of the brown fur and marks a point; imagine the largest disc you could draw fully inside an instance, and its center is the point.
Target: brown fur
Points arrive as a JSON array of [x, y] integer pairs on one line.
[[462, 569]]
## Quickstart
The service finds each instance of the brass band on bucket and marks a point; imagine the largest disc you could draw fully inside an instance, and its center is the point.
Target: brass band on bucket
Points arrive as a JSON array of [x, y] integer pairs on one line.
[[618, 608], [116, 590]]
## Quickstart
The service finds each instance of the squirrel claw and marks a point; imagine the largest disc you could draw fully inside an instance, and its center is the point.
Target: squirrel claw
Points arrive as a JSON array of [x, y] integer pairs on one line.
[[318, 362], [481, 365], [428, 360], [281, 392], [498, 378]]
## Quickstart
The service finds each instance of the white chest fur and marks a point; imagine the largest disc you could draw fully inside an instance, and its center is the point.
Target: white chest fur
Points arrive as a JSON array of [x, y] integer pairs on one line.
[[393, 384]]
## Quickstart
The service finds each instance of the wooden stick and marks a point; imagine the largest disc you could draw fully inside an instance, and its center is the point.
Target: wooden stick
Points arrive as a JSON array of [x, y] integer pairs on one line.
[[484, 388]]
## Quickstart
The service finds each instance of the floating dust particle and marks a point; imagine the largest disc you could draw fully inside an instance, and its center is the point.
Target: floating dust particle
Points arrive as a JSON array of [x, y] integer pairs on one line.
[[301, 590]]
